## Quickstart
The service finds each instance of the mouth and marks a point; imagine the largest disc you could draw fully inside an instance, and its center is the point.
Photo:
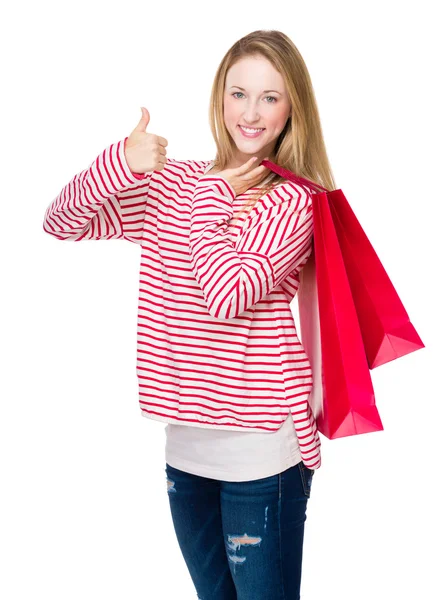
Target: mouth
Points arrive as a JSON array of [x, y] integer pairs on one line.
[[253, 133]]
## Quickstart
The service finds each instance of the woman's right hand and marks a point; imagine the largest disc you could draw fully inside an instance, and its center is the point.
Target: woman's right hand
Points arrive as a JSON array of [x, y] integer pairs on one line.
[[144, 151]]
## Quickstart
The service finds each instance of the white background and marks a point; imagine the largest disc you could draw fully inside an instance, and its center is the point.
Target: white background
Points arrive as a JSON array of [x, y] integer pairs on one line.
[[84, 507]]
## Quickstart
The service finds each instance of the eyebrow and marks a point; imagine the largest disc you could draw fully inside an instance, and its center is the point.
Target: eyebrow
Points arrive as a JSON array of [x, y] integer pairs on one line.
[[264, 91]]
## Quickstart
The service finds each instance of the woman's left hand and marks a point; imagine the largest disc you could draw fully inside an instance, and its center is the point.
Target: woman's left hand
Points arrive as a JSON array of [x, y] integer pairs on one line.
[[244, 177]]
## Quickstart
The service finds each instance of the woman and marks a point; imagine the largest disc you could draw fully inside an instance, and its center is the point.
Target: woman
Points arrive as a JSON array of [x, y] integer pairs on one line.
[[218, 357]]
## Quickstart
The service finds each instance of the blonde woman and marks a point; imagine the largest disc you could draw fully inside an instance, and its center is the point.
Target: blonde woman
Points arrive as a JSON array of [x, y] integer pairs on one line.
[[223, 242]]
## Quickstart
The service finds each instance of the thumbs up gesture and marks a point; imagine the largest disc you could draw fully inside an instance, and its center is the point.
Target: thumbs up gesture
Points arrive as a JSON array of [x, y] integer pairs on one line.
[[145, 151]]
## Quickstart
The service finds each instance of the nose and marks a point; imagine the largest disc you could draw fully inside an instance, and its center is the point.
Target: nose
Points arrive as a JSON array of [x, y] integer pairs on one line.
[[251, 114]]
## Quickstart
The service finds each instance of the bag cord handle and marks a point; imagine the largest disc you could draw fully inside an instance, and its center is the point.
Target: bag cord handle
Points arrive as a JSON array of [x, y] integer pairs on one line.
[[292, 176]]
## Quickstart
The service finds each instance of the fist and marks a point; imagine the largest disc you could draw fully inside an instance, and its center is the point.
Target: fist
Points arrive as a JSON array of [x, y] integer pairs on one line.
[[244, 177], [145, 151]]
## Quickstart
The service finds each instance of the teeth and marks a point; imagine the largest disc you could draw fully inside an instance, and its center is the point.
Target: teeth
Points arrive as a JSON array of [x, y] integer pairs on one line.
[[250, 130]]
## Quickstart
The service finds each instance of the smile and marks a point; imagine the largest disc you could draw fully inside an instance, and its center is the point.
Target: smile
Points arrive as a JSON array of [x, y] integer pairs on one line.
[[251, 133]]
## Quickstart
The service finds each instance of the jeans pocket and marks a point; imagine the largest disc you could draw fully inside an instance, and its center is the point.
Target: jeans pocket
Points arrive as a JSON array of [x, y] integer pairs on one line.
[[306, 478]]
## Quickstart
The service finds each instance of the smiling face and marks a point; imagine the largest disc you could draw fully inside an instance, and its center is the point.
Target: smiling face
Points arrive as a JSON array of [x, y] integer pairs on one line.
[[255, 97]]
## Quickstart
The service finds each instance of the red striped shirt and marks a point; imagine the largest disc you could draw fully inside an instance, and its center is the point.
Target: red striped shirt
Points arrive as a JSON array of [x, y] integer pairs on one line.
[[217, 345]]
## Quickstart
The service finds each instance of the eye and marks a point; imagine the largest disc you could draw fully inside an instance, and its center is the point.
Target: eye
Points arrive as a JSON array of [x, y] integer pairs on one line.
[[273, 97]]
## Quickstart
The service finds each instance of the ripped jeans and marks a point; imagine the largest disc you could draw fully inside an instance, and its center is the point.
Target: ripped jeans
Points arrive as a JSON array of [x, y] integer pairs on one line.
[[241, 540]]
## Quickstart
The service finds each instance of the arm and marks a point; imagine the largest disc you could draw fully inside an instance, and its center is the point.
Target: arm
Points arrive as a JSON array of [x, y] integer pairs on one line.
[[235, 277], [105, 201]]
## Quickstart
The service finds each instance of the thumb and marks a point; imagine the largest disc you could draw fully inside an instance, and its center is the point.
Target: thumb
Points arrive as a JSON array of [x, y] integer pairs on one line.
[[144, 121], [246, 166]]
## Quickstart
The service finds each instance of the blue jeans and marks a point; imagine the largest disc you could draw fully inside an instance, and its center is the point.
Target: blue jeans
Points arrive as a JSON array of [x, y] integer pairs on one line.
[[241, 540]]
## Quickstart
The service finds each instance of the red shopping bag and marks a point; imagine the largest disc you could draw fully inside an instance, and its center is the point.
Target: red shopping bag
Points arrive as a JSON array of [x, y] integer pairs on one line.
[[385, 326], [342, 398]]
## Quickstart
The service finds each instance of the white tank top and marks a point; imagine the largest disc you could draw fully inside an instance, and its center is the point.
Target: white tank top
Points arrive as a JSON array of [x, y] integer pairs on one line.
[[231, 455]]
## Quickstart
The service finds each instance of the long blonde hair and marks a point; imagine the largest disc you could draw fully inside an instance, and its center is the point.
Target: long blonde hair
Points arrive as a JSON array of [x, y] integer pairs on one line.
[[300, 147]]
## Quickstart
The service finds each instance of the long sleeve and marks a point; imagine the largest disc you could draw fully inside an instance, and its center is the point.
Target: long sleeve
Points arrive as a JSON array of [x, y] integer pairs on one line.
[[92, 207], [234, 277]]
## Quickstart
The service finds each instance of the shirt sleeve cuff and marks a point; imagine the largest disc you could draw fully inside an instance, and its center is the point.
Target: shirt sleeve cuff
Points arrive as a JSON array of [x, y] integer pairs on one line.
[[208, 180]]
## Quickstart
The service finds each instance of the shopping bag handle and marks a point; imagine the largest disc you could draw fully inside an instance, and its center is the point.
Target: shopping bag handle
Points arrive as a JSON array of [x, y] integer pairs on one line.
[[292, 176]]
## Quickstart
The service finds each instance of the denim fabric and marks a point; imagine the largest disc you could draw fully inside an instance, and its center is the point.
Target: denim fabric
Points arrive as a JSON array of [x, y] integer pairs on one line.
[[242, 540]]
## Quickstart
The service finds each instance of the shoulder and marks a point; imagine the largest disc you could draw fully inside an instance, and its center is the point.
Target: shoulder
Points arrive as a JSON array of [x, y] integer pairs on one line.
[[286, 196], [281, 204], [298, 195]]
